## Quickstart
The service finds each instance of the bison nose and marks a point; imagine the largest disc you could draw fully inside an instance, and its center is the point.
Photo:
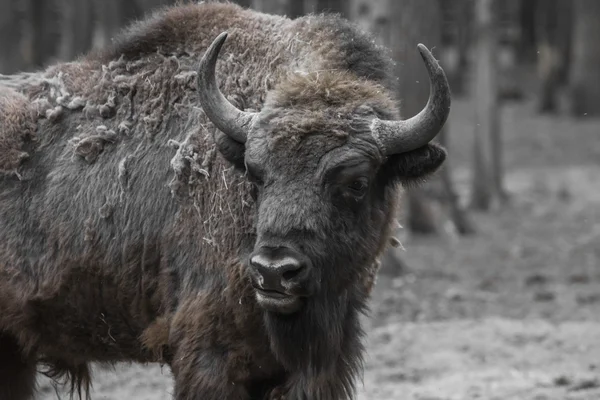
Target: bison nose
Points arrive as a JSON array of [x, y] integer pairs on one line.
[[278, 272]]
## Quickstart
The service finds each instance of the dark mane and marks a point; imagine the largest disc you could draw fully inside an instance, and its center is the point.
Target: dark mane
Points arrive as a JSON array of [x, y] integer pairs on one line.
[[172, 30], [360, 53], [190, 28]]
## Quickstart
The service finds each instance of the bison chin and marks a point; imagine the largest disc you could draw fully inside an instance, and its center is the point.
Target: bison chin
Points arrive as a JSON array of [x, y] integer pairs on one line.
[[323, 335]]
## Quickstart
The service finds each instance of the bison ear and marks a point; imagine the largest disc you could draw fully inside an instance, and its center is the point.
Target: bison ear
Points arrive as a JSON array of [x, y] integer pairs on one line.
[[415, 166], [231, 150]]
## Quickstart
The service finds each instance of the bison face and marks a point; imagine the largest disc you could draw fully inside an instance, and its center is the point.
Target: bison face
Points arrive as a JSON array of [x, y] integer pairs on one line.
[[325, 200], [325, 154]]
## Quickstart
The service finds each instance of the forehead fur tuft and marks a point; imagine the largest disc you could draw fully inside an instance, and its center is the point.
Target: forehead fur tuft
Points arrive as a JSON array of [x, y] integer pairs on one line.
[[332, 103], [318, 89]]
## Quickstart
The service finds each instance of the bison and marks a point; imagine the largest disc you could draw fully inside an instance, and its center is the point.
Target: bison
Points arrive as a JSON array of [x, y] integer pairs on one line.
[[210, 192]]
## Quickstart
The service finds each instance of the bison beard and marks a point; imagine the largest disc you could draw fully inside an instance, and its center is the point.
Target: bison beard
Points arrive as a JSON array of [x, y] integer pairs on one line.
[[321, 341]]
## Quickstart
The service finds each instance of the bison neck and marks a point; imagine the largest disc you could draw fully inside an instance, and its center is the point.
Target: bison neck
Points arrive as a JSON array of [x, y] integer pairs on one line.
[[322, 344]]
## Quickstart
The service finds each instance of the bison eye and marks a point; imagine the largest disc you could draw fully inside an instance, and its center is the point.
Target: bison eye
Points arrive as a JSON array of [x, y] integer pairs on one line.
[[358, 187], [254, 174], [254, 192], [255, 180]]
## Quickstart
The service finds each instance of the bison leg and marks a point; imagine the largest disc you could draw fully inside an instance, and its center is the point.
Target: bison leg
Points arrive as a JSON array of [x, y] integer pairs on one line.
[[17, 374], [203, 376]]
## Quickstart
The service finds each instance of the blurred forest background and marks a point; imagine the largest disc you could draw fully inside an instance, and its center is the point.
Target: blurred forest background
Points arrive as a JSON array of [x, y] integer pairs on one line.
[[493, 288]]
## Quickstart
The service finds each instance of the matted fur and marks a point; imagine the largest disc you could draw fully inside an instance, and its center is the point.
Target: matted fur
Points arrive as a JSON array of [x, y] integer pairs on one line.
[[16, 131], [123, 238]]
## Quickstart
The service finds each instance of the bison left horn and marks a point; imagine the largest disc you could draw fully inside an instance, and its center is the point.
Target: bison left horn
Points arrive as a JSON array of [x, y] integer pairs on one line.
[[403, 136], [228, 118]]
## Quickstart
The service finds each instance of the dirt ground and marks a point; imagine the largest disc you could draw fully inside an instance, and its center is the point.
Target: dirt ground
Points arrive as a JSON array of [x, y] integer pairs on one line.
[[510, 313]]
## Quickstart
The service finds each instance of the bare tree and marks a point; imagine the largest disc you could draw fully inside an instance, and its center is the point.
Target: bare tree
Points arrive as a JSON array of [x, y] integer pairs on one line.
[[113, 15], [108, 21], [457, 18], [329, 6], [553, 34], [409, 28], [414, 21], [401, 26], [247, 3], [459, 216], [13, 25], [372, 16], [76, 22], [487, 185], [296, 9], [280, 7], [45, 30], [585, 68]]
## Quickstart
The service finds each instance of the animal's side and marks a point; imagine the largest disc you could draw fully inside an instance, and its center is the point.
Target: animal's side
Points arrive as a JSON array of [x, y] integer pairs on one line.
[[132, 229]]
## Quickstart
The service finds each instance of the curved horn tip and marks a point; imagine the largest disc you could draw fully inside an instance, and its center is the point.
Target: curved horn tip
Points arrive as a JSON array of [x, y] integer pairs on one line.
[[427, 56], [225, 116], [222, 36], [402, 136], [218, 42]]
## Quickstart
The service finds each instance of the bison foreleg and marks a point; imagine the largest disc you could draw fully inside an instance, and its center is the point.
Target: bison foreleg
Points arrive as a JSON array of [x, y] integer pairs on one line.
[[202, 375], [17, 373]]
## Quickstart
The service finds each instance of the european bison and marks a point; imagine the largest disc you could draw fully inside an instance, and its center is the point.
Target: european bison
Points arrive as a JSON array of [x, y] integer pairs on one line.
[[219, 209]]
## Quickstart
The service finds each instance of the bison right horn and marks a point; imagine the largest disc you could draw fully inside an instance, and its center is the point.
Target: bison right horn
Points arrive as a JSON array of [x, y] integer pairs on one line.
[[228, 118], [402, 136]]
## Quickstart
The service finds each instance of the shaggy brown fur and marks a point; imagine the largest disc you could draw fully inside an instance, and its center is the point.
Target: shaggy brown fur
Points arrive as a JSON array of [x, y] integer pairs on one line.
[[17, 129], [127, 239]]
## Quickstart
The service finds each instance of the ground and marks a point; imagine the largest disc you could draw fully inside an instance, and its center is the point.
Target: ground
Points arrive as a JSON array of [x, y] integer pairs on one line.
[[510, 313]]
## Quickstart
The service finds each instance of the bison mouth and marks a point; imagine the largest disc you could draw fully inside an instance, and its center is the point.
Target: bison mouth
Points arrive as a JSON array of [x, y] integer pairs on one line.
[[278, 302]]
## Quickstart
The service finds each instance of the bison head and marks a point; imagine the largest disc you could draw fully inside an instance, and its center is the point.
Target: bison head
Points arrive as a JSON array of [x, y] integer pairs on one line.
[[325, 155]]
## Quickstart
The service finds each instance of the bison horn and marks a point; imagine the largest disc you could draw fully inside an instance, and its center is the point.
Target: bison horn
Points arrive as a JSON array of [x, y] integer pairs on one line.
[[402, 136], [228, 118]]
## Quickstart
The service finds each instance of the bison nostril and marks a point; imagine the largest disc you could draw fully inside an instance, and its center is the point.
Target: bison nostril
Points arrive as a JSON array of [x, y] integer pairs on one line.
[[291, 271]]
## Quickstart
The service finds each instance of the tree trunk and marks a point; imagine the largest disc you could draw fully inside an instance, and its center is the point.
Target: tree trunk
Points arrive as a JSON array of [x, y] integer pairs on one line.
[[332, 6], [464, 34], [296, 9], [553, 32], [585, 68], [76, 28], [108, 22], [280, 7], [372, 16], [487, 186], [457, 17], [46, 33], [326, 6], [415, 21], [459, 216], [247, 3], [565, 39], [114, 15], [12, 18], [527, 51]]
